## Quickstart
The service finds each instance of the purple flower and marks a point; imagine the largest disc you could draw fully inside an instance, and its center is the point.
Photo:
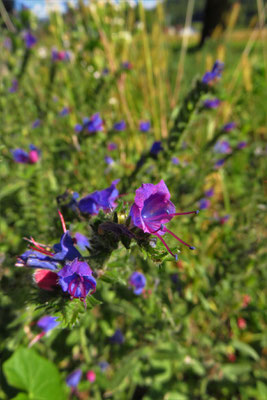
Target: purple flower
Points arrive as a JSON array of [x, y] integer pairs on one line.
[[224, 219], [117, 337], [77, 279], [211, 103], [229, 127], [152, 209], [22, 157], [144, 126], [241, 145], [222, 147], [126, 65], [81, 241], [212, 76], [37, 259], [74, 378], [204, 203], [138, 281], [14, 86], [111, 146], [109, 160], [156, 148], [65, 250], [78, 128], [60, 55], [47, 323], [94, 124], [36, 123], [103, 365], [65, 111], [29, 39], [119, 126], [7, 43], [175, 160], [209, 192], [100, 200], [219, 163], [105, 71]]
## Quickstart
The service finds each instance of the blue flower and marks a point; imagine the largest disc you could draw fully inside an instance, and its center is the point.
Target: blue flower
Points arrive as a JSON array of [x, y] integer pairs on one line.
[[77, 279], [156, 148], [219, 163], [175, 160], [138, 281], [29, 39], [65, 111], [117, 337], [211, 103], [36, 123], [81, 241], [94, 124], [228, 127], [14, 86], [204, 203], [119, 126], [212, 76], [144, 126], [222, 147], [78, 128], [47, 323], [74, 378], [209, 192], [109, 160], [100, 200], [65, 250]]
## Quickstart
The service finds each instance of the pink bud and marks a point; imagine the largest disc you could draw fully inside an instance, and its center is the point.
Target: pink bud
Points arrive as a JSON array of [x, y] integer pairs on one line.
[[231, 357], [246, 300], [33, 156], [91, 376], [241, 322], [45, 279]]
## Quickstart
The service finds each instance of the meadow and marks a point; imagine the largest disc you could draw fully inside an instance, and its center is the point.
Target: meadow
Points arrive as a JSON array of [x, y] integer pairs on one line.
[[106, 98]]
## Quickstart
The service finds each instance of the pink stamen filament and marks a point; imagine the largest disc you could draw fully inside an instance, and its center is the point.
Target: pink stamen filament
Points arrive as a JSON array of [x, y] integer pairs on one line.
[[166, 215], [165, 244], [177, 238], [41, 250], [62, 221], [36, 338]]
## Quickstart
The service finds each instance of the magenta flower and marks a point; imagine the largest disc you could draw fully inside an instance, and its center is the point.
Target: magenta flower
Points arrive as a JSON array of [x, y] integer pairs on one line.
[[212, 76], [91, 376], [77, 279], [74, 378], [59, 55], [100, 200], [152, 209], [138, 281], [111, 146], [144, 126], [211, 103], [119, 126]]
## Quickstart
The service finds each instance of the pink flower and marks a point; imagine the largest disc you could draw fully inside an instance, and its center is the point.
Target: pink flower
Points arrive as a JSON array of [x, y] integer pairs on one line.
[[91, 376], [242, 324]]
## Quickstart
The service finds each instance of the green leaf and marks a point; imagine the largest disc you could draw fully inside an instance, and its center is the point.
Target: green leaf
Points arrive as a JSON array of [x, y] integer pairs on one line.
[[35, 375], [245, 349], [21, 396]]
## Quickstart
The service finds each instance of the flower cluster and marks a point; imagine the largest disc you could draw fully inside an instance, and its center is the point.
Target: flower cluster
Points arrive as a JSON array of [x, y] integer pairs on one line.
[[212, 76], [22, 157]]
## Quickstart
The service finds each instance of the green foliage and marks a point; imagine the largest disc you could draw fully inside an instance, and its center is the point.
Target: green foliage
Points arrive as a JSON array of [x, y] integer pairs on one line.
[[33, 374]]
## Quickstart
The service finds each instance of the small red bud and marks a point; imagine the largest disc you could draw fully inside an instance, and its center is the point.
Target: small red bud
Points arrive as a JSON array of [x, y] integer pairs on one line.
[[45, 279], [241, 322]]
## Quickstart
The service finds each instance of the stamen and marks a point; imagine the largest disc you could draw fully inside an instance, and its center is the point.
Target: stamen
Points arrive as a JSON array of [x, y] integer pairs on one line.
[[41, 250], [165, 244], [167, 214], [62, 221], [177, 238], [36, 338]]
